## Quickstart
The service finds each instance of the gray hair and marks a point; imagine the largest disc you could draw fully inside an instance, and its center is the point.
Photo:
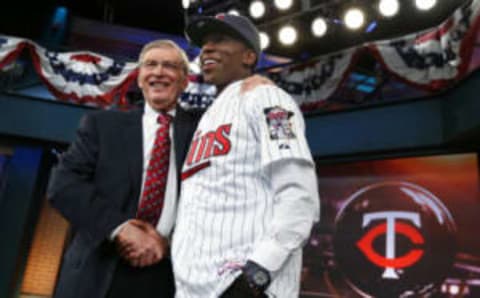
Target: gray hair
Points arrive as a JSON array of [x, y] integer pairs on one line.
[[165, 43]]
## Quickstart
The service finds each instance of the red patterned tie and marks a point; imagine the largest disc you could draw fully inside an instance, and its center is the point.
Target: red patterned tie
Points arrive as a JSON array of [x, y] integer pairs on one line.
[[151, 203]]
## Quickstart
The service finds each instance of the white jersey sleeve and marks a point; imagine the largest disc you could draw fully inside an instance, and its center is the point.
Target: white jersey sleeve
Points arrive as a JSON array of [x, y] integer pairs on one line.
[[287, 162]]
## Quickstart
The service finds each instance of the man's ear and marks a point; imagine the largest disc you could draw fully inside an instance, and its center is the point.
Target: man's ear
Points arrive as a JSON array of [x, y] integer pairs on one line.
[[249, 58]]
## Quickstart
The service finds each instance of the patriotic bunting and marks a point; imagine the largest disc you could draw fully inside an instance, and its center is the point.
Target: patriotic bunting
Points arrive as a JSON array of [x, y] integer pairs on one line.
[[431, 60], [10, 47], [197, 94], [435, 58], [313, 83], [83, 76]]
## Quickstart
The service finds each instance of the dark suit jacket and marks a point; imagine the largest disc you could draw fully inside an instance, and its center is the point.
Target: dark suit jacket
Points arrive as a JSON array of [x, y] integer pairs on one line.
[[96, 187]]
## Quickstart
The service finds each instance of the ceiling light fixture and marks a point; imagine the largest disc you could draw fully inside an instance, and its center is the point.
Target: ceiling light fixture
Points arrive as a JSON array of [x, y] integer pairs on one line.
[[388, 8], [257, 9], [264, 40], [354, 18], [283, 4], [319, 27], [287, 35]]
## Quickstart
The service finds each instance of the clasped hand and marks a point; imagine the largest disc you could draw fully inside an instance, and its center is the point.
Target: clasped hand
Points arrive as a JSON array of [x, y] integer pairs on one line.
[[140, 244]]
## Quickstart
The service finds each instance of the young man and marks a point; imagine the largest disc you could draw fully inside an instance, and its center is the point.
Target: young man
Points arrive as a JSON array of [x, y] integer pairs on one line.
[[117, 185], [249, 192]]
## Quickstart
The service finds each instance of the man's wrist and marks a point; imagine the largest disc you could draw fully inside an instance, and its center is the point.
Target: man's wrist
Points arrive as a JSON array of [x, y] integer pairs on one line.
[[117, 231], [257, 276]]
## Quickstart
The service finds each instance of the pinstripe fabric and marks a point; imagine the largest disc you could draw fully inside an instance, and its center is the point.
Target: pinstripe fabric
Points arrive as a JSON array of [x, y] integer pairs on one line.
[[226, 208]]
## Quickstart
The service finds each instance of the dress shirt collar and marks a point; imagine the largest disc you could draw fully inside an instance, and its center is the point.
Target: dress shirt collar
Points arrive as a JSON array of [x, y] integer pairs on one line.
[[150, 113]]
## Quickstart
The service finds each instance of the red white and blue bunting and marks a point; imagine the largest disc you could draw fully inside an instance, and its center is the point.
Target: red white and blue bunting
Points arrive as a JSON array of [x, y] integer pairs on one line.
[[197, 94], [311, 84], [83, 76], [432, 60], [10, 48]]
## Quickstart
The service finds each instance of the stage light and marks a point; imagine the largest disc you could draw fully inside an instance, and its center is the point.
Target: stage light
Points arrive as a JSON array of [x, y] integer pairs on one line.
[[354, 18], [388, 8], [444, 288], [454, 290], [283, 4], [257, 9], [319, 27], [234, 12], [264, 40], [425, 4], [186, 4], [287, 35]]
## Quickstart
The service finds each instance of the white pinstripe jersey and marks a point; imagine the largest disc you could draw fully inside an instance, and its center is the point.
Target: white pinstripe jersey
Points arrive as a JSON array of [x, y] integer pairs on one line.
[[226, 203]]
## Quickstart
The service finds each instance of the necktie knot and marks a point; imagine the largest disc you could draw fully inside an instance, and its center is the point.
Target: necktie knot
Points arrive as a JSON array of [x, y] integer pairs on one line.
[[164, 119]]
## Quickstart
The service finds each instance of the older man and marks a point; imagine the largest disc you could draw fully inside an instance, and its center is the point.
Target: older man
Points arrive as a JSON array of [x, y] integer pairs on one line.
[[117, 185]]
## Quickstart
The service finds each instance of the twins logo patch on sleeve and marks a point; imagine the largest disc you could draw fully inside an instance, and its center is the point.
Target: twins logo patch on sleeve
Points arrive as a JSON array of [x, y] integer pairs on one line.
[[278, 121]]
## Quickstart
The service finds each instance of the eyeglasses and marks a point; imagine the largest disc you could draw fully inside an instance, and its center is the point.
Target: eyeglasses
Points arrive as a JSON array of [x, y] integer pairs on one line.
[[167, 65]]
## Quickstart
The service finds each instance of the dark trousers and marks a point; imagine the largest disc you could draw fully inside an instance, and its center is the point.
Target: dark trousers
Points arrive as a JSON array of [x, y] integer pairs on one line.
[[150, 282]]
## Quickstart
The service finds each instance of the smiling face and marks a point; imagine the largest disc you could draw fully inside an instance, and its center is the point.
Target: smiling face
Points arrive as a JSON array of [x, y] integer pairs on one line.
[[225, 59], [162, 77]]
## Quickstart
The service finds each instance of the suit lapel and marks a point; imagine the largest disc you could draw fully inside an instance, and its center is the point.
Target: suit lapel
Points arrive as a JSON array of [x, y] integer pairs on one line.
[[134, 149]]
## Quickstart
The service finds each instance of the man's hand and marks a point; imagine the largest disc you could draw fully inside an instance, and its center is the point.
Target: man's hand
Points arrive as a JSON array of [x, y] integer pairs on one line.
[[253, 81], [140, 244]]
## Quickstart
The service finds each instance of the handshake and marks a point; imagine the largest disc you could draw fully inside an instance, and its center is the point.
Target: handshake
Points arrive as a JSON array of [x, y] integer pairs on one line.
[[139, 243]]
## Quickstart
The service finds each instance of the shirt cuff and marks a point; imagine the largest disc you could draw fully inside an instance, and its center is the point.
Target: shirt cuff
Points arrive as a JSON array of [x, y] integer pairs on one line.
[[116, 231], [270, 255]]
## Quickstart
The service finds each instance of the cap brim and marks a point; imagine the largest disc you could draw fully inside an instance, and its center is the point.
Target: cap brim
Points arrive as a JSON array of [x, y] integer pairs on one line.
[[199, 28]]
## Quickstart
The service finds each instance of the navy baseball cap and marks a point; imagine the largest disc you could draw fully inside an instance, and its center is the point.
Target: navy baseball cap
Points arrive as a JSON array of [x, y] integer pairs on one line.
[[238, 27]]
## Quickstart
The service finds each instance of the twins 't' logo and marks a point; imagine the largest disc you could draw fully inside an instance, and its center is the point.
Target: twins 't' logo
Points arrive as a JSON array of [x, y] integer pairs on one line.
[[390, 229]]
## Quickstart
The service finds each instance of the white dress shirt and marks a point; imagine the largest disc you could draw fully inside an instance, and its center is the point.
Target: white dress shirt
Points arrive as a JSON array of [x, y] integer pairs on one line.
[[149, 131]]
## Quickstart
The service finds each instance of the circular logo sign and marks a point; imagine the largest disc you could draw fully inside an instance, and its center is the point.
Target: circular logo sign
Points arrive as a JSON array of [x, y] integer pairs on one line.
[[394, 239]]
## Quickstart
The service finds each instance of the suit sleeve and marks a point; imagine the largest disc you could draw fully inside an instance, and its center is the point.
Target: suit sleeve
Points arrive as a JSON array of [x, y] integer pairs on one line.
[[288, 165], [72, 186]]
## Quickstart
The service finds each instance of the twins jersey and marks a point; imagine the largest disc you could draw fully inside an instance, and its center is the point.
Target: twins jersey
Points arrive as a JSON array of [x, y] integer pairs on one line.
[[228, 211]]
